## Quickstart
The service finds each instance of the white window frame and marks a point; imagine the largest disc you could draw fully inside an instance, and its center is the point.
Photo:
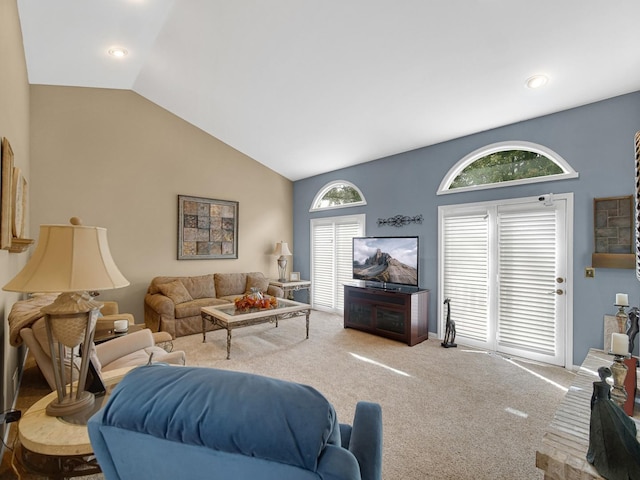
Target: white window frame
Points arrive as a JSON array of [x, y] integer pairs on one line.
[[452, 174], [323, 191]]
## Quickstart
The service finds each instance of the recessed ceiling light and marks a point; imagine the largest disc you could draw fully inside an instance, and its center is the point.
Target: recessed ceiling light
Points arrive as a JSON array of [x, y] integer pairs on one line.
[[536, 81], [118, 52]]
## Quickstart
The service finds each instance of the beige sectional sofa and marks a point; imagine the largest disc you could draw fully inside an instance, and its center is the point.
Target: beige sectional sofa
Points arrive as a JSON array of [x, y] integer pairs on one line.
[[172, 304]]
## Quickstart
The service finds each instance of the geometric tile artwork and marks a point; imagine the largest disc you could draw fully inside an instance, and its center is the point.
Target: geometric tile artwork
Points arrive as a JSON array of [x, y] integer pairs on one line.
[[613, 221], [207, 228]]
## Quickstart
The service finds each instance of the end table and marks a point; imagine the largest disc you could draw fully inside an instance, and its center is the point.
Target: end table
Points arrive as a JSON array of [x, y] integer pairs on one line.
[[290, 287], [57, 447]]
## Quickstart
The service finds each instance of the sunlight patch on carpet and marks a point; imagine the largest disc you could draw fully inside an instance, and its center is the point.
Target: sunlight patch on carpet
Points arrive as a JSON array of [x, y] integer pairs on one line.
[[378, 364], [541, 377], [515, 412], [507, 358]]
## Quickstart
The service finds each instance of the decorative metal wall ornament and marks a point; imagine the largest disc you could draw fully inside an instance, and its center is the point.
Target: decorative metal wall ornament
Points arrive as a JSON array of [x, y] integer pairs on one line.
[[399, 220]]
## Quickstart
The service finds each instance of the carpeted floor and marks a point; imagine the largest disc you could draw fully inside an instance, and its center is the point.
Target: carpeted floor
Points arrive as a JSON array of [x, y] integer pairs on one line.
[[456, 413]]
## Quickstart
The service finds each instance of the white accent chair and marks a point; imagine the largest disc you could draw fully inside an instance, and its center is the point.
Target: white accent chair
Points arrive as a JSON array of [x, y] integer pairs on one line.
[[129, 350]]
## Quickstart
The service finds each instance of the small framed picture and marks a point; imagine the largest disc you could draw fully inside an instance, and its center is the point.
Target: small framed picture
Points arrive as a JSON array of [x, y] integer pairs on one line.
[[294, 277]]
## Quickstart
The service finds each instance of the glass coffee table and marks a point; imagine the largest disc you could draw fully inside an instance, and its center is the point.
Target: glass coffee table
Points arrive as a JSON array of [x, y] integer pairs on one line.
[[228, 317]]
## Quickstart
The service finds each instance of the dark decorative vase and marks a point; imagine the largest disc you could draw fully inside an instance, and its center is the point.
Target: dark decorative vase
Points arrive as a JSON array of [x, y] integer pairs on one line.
[[633, 328], [613, 448]]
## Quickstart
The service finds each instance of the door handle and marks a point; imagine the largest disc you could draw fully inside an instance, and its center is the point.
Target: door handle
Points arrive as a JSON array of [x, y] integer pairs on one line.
[[559, 291]]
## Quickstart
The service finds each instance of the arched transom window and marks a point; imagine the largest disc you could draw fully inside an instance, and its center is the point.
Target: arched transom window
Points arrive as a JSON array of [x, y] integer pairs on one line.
[[337, 194], [505, 164]]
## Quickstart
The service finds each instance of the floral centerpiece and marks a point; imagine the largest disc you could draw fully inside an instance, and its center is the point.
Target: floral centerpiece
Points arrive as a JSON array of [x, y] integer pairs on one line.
[[255, 299]]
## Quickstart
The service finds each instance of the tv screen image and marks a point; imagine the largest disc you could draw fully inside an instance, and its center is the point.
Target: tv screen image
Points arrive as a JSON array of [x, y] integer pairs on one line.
[[386, 260]]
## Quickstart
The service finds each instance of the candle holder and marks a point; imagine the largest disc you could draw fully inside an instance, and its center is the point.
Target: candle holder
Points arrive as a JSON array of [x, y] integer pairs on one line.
[[619, 373], [622, 318]]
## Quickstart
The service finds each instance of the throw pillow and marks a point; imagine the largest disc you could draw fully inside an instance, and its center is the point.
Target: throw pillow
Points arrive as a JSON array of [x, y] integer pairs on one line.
[[256, 280], [176, 291]]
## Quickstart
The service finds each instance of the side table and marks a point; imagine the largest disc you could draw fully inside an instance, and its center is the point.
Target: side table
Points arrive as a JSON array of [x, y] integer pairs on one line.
[[563, 452], [290, 287], [102, 335], [162, 339], [59, 447]]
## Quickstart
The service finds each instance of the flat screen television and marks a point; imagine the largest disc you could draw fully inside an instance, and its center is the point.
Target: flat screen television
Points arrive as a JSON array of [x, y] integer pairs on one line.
[[386, 260]]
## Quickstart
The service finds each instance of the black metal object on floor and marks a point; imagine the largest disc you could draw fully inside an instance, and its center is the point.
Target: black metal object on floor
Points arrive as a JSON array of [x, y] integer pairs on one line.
[[450, 332]]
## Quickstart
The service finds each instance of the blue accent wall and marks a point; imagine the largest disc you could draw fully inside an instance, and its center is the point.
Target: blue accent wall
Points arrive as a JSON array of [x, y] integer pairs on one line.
[[596, 139]]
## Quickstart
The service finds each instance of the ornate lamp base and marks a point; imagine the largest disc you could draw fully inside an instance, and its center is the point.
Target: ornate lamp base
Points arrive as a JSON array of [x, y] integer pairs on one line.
[[70, 321], [619, 373], [282, 268], [68, 405]]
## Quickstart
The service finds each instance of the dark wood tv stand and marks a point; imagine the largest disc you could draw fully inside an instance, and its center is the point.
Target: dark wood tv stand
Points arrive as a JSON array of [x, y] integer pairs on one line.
[[400, 314]]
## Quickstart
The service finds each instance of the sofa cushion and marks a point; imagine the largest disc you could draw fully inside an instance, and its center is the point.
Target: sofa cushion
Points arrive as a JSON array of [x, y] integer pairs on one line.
[[230, 298], [154, 286], [200, 286], [176, 291], [256, 280], [230, 284], [139, 357], [236, 412], [192, 308]]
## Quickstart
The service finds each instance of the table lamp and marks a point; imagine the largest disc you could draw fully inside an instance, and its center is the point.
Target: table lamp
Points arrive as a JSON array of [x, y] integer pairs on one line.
[[282, 249], [70, 260]]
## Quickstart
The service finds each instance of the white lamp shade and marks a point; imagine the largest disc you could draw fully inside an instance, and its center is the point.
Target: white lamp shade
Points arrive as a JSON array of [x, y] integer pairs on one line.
[[69, 258], [282, 249]]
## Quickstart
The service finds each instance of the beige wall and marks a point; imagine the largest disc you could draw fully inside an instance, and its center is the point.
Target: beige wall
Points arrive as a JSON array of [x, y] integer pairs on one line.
[[119, 161], [14, 125]]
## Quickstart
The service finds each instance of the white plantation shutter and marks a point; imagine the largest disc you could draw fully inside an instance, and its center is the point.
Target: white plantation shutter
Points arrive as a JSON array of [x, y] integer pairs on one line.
[[527, 272], [466, 272], [504, 266], [344, 255], [331, 258], [323, 265]]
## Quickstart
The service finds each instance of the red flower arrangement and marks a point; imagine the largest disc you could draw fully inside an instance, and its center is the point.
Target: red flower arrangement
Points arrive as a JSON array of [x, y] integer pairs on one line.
[[253, 301]]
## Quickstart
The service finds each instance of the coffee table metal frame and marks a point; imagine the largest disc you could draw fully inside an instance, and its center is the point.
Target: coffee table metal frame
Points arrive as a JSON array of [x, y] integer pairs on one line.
[[227, 317]]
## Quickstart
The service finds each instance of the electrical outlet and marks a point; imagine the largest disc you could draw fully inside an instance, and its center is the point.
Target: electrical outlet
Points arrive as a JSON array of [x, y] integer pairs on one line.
[[589, 272]]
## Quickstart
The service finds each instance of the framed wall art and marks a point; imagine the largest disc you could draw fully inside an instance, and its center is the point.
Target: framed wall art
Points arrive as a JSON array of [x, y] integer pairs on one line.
[[207, 228], [636, 206], [613, 232], [19, 203], [6, 195]]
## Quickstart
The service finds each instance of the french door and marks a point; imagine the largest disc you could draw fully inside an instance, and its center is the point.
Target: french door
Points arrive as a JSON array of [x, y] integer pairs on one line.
[[332, 258], [504, 266]]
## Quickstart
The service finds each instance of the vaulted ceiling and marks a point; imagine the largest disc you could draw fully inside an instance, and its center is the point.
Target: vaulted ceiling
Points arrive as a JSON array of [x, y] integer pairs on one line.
[[309, 86]]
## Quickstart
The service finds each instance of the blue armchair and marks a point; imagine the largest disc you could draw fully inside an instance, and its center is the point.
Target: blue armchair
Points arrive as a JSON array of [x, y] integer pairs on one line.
[[168, 422]]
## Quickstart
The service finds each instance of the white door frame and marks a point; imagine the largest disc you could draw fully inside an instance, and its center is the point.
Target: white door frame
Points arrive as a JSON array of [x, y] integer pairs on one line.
[[568, 197]]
